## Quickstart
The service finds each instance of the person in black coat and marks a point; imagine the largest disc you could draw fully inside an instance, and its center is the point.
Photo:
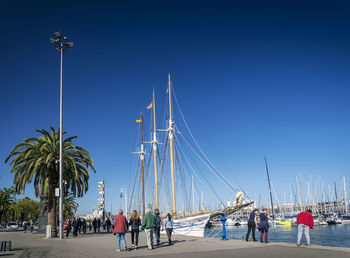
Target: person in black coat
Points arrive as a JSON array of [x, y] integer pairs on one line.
[[98, 225], [94, 224], [135, 224], [75, 225]]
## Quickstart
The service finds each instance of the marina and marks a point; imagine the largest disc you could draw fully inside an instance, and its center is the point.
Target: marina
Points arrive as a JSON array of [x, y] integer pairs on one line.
[[327, 235]]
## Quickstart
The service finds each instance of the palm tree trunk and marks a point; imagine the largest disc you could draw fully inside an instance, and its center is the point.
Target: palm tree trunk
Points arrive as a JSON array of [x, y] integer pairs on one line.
[[51, 209]]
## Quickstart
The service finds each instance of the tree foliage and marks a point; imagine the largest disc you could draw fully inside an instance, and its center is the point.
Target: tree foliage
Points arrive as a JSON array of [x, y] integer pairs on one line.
[[35, 160]]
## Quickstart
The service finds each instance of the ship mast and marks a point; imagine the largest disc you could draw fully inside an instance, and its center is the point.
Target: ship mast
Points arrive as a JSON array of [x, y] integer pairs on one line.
[[155, 150], [142, 157], [171, 138]]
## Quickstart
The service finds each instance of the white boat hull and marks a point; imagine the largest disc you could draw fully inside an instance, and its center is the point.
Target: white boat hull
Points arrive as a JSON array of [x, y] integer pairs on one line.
[[191, 226]]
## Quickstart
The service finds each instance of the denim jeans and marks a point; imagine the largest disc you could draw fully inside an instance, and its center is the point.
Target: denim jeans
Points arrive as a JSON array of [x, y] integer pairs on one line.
[[157, 233], [120, 236], [303, 229]]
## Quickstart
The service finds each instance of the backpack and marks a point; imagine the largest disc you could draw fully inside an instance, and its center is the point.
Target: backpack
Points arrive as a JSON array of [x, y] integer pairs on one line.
[[157, 221]]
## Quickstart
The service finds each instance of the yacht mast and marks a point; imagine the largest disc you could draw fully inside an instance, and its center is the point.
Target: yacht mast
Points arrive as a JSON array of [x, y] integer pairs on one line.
[[171, 136], [155, 150], [268, 178]]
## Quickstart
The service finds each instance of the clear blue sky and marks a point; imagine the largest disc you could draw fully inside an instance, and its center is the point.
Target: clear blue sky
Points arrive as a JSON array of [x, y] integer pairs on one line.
[[254, 78]]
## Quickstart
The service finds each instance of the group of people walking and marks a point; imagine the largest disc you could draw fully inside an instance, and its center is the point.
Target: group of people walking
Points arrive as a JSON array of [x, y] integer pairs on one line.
[[28, 226], [79, 225], [151, 223], [305, 223]]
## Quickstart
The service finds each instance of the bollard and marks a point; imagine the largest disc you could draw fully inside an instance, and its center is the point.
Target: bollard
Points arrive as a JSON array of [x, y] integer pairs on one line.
[[223, 219], [5, 246]]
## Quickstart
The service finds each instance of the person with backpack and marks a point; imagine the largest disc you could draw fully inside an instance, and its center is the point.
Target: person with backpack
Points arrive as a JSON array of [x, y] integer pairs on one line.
[[135, 223], [159, 224]]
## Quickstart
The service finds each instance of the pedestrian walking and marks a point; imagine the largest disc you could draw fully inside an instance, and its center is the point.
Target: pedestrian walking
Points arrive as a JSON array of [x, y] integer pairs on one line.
[[135, 223], [108, 224], [263, 225], [25, 226], [68, 227], [120, 226], [159, 224], [305, 222], [94, 224], [149, 224], [90, 225], [98, 225], [83, 223], [252, 224], [75, 225], [79, 225], [169, 224], [31, 225]]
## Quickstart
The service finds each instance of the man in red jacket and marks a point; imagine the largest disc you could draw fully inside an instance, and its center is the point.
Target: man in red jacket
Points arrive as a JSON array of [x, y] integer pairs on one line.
[[120, 226], [305, 222]]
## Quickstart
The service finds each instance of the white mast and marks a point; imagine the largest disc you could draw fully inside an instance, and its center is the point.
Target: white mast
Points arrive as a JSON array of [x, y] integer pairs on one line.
[[291, 198], [192, 195], [171, 138], [155, 142], [345, 197]]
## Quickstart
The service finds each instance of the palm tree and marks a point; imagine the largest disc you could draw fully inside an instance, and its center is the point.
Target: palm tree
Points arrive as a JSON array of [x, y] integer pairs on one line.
[[36, 160], [6, 199], [70, 206]]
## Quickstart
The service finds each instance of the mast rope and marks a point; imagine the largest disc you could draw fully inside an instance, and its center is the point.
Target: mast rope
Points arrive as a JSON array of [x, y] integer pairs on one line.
[[201, 151]]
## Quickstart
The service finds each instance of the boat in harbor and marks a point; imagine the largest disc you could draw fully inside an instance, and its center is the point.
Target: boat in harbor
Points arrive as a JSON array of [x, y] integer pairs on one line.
[[177, 164]]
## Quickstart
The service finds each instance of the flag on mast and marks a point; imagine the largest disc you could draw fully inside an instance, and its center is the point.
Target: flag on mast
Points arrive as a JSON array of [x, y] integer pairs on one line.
[[149, 106], [138, 120]]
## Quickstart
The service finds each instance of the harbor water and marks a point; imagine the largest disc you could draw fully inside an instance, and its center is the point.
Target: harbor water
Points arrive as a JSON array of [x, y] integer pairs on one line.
[[326, 235]]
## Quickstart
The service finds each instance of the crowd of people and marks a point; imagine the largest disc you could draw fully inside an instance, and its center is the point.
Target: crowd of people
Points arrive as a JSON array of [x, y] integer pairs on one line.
[[79, 225], [305, 223], [152, 223]]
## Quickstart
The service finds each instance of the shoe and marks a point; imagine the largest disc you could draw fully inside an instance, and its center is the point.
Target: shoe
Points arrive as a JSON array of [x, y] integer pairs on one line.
[[298, 244], [135, 247], [255, 240], [267, 242], [261, 241], [117, 250], [126, 248], [247, 240]]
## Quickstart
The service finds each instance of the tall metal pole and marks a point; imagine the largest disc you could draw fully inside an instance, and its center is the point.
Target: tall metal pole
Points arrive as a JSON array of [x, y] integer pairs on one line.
[[171, 136], [61, 150], [268, 178]]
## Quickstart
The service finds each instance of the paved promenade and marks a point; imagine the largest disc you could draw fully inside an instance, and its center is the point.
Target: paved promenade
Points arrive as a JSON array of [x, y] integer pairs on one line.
[[104, 245]]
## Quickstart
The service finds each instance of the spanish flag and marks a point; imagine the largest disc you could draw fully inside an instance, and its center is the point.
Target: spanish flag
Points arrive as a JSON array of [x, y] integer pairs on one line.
[[139, 121], [149, 106]]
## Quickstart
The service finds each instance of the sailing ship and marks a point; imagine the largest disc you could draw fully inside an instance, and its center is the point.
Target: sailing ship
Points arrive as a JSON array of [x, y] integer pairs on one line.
[[187, 219]]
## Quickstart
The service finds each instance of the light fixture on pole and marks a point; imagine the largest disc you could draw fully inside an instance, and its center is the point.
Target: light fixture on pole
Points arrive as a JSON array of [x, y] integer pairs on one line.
[[62, 46], [125, 200]]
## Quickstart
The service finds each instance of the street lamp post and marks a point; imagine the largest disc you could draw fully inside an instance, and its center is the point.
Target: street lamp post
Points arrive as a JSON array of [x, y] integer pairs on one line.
[[62, 46], [125, 201]]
